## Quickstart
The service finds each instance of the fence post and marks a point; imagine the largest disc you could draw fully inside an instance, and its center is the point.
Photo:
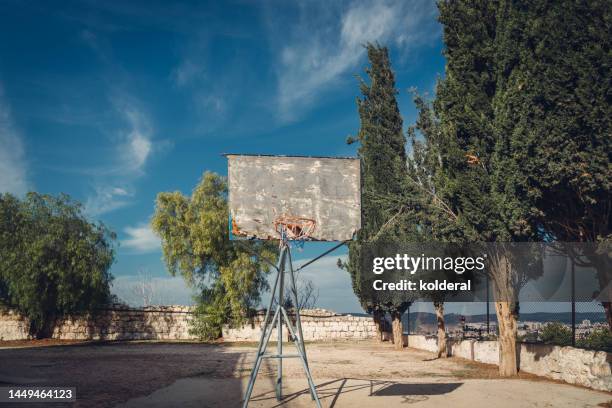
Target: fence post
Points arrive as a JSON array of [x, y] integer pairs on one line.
[[408, 321], [573, 306], [487, 304]]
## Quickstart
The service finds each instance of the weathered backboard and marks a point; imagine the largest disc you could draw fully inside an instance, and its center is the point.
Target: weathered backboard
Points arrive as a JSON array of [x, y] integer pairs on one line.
[[324, 191]]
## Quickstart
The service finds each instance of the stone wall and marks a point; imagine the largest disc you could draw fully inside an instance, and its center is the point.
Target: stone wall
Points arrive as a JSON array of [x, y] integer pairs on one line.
[[575, 366], [172, 323], [115, 323], [317, 324], [572, 365], [13, 326]]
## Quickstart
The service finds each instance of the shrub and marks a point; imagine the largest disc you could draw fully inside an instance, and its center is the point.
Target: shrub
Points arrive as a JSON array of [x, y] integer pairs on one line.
[[53, 260], [556, 333]]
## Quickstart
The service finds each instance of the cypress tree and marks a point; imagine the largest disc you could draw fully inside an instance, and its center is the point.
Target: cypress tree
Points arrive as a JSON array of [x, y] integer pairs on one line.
[[523, 131], [383, 157], [473, 179], [556, 109]]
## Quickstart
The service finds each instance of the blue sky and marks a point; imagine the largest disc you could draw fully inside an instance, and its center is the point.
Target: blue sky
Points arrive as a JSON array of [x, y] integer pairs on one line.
[[113, 103]]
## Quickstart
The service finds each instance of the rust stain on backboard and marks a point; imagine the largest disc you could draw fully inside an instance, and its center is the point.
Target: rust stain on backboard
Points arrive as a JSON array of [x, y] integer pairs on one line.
[[324, 191]]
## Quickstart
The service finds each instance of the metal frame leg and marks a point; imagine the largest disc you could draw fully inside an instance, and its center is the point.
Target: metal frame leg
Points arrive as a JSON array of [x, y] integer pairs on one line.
[[264, 338], [259, 359], [298, 319], [281, 314], [279, 329], [300, 350]]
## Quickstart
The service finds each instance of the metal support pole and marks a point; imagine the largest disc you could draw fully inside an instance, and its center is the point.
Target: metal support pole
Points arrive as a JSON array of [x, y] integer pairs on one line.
[[263, 346], [281, 314], [279, 327], [488, 318], [311, 383], [573, 305], [408, 320], [263, 340], [298, 319]]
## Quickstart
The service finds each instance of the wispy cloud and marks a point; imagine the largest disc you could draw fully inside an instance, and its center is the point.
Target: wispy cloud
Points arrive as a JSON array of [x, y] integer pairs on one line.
[[138, 145], [326, 44], [13, 168], [132, 141], [141, 239], [107, 198], [114, 184]]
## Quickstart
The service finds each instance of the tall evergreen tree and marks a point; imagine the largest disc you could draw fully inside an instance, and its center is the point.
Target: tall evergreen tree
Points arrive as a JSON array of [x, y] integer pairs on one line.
[[556, 109], [475, 183], [523, 137], [383, 157], [435, 218]]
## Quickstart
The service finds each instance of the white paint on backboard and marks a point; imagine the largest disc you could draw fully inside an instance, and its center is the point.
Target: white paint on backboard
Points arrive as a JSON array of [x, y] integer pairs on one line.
[[325, 189]]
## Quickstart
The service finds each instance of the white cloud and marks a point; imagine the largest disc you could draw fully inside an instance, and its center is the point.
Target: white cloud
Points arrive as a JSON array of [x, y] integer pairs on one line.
[[113, 186], [13, 168], [138, 146], [119, 191], [141, 239], [106, 199], [326, 46]]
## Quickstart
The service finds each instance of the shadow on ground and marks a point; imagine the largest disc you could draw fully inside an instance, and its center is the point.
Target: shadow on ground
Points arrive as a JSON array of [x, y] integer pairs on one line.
[[332, 390], [106, 374]]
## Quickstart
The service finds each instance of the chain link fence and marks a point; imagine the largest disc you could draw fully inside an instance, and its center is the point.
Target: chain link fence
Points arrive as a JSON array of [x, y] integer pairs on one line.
[[577, 324]]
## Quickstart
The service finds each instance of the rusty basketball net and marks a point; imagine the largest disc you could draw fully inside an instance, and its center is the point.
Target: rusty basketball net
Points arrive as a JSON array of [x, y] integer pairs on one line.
[[294, 228]]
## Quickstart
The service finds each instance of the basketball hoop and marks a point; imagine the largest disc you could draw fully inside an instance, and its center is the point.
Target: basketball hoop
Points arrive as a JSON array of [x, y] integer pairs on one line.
[[262, 187], [271, 194], [294, 228]]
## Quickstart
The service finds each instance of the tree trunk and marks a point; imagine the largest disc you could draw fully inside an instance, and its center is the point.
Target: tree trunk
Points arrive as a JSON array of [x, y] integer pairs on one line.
[[442, 352], [45, 329], [608, 308], [378, 316], [507, 324], [398, 330], [505, 288]]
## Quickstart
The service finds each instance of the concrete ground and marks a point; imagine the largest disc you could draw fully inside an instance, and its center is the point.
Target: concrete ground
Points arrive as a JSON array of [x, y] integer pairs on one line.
[[347, 375]]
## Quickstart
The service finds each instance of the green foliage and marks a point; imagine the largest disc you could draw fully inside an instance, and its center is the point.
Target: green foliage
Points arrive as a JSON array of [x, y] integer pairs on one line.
[[464, 150], [559, 334], [556, 106], [475, 182], [53, 260], [383, 158], [556, 333], [435, 217], [210, 316], [598, 339], [195, 243]]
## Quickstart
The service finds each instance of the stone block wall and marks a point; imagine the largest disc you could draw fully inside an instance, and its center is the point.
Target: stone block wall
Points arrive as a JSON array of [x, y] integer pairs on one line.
[[575, 366], [115, 323], [172, 323], [13, 326], [317, 324]]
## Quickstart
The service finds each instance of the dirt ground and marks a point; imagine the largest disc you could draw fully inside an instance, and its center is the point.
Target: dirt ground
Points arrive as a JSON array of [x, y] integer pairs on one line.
[[347, 375]]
